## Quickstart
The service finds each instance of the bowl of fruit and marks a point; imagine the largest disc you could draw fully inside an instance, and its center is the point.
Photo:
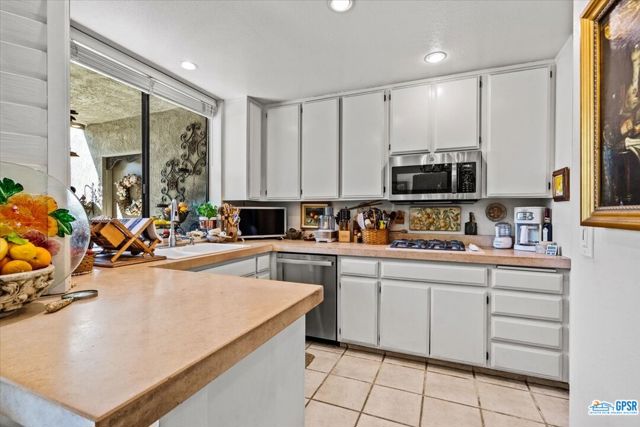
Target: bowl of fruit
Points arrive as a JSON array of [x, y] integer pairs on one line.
[[43, 235]]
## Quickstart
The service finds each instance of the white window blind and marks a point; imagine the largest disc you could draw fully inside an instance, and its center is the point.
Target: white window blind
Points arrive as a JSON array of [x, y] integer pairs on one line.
[[104, 59]]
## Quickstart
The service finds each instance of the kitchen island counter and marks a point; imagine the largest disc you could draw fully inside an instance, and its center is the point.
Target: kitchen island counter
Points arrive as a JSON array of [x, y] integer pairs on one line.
[[150, 340]]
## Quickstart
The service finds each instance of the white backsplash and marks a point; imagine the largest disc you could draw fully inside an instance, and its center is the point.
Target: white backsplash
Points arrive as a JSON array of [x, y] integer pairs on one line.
[[485, 226]]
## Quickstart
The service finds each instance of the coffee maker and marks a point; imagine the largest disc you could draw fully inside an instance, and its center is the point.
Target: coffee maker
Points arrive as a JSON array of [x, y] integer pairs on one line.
[[528, 225], [326, 231]]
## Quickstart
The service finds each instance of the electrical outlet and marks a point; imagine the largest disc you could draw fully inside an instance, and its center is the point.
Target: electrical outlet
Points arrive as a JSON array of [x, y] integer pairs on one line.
[[586, 241]]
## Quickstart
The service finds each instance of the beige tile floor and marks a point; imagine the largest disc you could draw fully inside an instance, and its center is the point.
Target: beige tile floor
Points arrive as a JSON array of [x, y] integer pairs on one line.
[[355, 388]]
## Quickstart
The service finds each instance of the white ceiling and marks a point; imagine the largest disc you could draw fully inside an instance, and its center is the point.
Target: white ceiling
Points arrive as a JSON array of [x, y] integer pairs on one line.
[[286, 49]]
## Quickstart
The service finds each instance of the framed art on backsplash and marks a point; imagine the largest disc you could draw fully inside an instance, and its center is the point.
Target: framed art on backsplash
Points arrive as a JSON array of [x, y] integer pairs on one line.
[[310, 214], [610, 114]]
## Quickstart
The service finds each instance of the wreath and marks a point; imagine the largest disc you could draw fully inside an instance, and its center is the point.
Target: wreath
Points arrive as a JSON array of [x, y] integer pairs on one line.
[[129, 194]]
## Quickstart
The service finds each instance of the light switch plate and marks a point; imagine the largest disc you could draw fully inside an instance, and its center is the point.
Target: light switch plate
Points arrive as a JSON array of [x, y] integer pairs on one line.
[[586, 241]]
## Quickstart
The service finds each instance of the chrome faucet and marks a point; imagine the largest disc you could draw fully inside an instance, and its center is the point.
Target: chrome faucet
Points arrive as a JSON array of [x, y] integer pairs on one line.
[[173, 217]]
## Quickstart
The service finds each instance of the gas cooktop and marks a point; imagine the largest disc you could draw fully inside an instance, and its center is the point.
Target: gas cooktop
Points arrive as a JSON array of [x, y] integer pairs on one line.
[[435, 245]]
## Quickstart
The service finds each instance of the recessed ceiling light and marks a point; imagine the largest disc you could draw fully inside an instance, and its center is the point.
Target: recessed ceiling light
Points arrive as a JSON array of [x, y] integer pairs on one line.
[[435, 57], [340, 5], [187, 65]]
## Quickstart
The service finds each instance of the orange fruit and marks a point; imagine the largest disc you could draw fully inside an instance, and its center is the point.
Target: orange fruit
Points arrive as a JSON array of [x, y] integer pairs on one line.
[[3, 261], [4, 248], [41, 260], [16, 266], [22, 252]]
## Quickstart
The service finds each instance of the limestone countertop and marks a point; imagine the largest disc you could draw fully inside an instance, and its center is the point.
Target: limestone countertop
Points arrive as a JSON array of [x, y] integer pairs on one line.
[[152, 338], [507, 257]]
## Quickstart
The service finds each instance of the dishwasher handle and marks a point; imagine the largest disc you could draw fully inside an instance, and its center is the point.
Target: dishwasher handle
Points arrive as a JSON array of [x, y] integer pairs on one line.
[[304, 262]]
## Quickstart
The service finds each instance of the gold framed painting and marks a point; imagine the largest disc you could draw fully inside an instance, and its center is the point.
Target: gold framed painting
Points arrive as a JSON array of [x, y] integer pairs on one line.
[[610, 114], [310, 214]]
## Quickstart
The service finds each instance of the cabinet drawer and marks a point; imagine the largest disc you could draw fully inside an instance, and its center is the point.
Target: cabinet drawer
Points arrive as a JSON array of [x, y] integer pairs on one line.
[[526, 360], [524, 280], [429, 272], [545, 307], [245, 267], [524, 331], [359, 267], [263, 263]]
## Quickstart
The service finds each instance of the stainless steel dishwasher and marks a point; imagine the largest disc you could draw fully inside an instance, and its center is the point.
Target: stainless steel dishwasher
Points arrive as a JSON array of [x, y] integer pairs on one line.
[[321, 322]]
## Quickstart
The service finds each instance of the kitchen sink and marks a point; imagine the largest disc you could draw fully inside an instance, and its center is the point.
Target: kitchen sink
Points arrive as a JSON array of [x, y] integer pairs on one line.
[[180, 252]]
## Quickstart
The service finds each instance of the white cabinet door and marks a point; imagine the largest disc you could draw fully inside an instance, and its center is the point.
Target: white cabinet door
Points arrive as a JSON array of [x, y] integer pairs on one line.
[[320, 149], [518, 150], [409, 119], [404, 317], [358, 310], [254, 165], [283, 152], [456, 114], [363, 145], [458, 324]]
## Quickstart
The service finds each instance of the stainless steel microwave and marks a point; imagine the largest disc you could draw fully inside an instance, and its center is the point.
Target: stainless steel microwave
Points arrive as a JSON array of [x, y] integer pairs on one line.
[[436, 176]]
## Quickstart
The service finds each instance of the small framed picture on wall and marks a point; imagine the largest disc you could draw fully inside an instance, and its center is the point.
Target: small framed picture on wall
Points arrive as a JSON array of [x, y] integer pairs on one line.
[[560, 185], [310, 214]]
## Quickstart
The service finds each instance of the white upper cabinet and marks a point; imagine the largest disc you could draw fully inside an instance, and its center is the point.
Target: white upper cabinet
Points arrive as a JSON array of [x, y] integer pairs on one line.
[[519, 139], [442, 116], [456, 114], [283, 152], [254, 165], [242, 150], [320, 149], [409, 119], [363, 145]]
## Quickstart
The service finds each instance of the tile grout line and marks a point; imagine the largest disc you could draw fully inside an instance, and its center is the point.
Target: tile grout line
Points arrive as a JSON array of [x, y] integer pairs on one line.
[[535, 402], [424, 392], [325, 378], [373, 382], [477, 389], [424, 387]]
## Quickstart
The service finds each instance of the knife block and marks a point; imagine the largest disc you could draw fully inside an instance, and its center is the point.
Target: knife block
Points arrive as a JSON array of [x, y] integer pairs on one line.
[[344, 236]]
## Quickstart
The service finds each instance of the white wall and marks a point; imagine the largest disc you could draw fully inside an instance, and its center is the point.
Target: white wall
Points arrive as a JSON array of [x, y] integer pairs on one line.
[[562, 212], [605, 302]]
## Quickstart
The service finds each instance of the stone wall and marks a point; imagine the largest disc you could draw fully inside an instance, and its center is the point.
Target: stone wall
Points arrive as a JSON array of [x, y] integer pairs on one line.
[[123, 136]]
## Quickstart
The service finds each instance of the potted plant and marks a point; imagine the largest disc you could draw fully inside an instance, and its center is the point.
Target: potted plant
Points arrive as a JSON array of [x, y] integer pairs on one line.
[[208, 214]]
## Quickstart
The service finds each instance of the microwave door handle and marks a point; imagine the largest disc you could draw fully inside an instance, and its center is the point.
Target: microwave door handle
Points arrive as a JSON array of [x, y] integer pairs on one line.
[[454, 178]]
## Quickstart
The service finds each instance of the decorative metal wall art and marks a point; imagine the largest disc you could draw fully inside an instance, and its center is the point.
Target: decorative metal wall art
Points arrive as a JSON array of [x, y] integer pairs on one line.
[[193, 161]]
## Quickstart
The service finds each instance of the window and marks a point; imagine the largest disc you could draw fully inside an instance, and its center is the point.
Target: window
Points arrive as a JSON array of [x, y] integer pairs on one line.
[[133, 152]]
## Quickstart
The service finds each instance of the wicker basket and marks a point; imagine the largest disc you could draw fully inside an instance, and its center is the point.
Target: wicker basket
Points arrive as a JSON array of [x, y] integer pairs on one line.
[[86, 265], [375, 237], [20, 289]]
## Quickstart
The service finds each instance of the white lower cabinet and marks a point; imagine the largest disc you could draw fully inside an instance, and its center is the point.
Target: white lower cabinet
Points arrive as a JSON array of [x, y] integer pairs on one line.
[[446, 311], [266, 275], [458, 324], [358, 310], [257, 267], [245, 267], [404, 317], [527, 360]]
